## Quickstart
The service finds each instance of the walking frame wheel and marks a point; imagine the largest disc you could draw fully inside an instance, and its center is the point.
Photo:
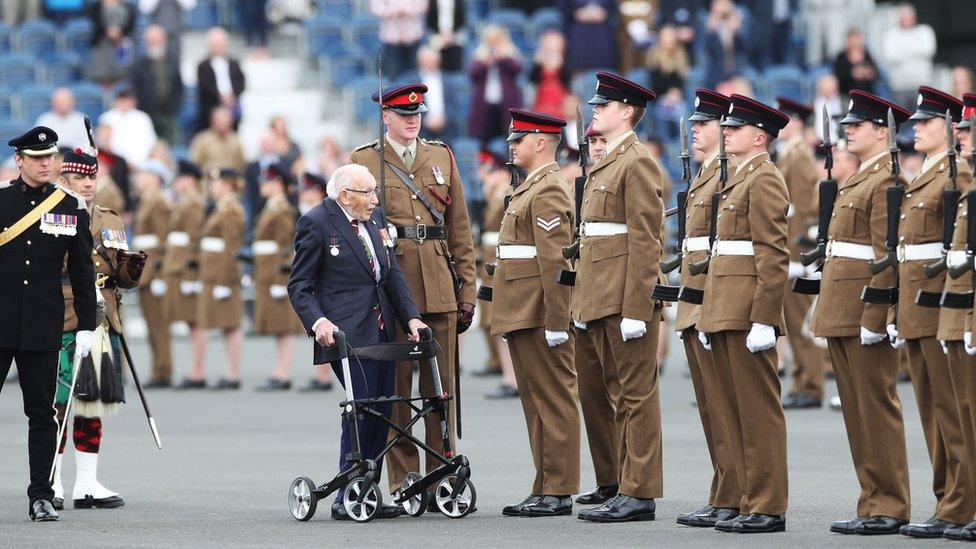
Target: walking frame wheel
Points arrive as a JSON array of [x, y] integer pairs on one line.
[[302, 499], [372, 500], [456, 507], [416, 505]]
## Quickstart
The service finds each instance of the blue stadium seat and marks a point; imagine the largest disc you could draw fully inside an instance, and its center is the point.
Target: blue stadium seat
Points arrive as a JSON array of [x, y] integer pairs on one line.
[[365, 34], [347, 67], [5, 39], [362, 88], [476, 9], [187, 117], [785, 80], [544, 19], [76, 36], [466, 154], [325, 37], [10, 128], [88, 99], [37, 38], [6, 106], [34, 101], [202, 17], [335, 10], [63, 69], [639, 75], [17, 70]]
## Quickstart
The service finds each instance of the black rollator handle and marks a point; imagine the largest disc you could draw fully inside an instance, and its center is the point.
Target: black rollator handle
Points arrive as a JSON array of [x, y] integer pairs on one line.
[[340, 342], [894, 196], [425, 334]]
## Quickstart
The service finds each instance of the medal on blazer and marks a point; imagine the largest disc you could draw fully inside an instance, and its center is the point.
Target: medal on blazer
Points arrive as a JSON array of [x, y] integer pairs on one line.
[[334, 247], [438, 175], [59, 224], [385, 237]]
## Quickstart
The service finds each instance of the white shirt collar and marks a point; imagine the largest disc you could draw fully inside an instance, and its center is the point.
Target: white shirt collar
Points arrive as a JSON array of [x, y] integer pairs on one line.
[[620, 139], [870, 161], [931, 161], [412, 147]]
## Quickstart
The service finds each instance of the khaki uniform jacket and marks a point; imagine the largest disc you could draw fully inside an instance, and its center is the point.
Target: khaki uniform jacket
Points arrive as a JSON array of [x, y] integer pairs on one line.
[[526, 294], [921, 223], [860, 217], [151, 227], [108, 233], [953, 323], [273, 248], [741, 290], [182, 254], [424, 265], [224, 228], [698, 219], [108, 195], [800, 173], [616, 274]]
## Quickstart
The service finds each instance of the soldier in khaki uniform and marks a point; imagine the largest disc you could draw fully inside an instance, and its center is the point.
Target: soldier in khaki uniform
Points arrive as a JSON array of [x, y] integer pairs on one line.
[[920, 236], [742, 313], [274, 232], [620, 249], [795, 161], [424, 200], [865, 365], [151, 227], [532, 310], [725, 492]]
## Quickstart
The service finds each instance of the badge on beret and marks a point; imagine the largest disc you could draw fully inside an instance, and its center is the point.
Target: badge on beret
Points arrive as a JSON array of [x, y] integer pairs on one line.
[[547, 225], [114, 239], [42, 136], [59, 224]]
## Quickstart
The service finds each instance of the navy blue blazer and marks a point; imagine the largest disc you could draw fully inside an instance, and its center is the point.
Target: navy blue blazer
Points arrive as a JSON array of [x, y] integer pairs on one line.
[[341, 287]]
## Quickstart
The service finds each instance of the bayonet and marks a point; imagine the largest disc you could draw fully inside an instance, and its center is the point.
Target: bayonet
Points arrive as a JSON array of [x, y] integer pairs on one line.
[[682, 199], [826, 195], [950, 201], [581, 142]]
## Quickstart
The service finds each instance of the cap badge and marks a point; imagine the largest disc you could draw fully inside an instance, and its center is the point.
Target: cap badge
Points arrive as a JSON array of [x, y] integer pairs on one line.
[[412, 97], [697, 101], [42, 136], [730, 108], [850, 105], [919, 99]]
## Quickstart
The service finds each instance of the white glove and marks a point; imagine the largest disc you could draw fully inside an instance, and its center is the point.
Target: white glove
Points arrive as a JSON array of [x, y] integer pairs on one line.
[[706, 343], [967, 339], [760, 338], [578, 324], [556, 338], [813, 272], [188, 287], [221, 292], [896, 341], [157, 287], [278, 291], [945, 347], [632, 329], [796, 270], [870, 338], [83, 342]]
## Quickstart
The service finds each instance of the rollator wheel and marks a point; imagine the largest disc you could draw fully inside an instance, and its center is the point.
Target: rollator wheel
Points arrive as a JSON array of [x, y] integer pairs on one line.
[[370, 507], [302, 499], [455, 507], [416, 505]]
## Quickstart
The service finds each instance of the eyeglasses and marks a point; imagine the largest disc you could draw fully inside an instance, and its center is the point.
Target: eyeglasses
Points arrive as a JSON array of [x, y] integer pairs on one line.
[[365, 192]]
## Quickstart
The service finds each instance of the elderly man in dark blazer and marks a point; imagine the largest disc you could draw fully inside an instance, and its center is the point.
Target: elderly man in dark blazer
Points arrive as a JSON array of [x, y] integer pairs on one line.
[[345, 277]]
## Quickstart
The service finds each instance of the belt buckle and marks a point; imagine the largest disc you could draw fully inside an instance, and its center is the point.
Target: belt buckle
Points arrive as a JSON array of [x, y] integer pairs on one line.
[[684, 246], [900, 253], [421, 229]]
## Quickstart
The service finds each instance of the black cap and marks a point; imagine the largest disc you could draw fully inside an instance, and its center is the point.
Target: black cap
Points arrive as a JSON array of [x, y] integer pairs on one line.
[[185, 167], [612, 87], [968, 109], [791, 107], [865, 106], [278, 171], [934, 103], [39, 141], [78, 161], [405, 99], [745, 111], [526, 122], [709, 105], [311, 181]]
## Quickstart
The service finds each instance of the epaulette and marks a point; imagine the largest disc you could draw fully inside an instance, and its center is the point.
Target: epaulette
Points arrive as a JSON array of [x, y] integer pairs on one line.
[[435, 142], [4, 184], [82, 205], [104, 209], [372, 143]]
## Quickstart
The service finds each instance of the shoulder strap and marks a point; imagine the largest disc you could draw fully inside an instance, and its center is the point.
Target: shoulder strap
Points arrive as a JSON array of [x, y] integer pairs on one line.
[[32, 217], [405, 179]]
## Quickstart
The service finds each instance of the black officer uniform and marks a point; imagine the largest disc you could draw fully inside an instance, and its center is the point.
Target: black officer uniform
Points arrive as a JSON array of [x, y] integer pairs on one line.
[[33, 304]]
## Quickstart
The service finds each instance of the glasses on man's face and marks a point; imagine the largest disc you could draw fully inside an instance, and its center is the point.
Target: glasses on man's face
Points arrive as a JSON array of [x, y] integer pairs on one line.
[[364, 192]]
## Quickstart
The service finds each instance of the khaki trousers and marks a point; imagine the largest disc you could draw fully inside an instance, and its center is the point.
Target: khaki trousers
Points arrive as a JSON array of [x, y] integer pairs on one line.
[[725, 490], [867, 381], [602, 433], [809, 361], [157, 325], [962, 368], [547, 387], [636, 402], [755, 421]]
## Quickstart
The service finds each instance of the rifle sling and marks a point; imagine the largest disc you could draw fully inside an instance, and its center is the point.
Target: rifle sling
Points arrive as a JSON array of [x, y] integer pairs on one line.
[[405, 179]]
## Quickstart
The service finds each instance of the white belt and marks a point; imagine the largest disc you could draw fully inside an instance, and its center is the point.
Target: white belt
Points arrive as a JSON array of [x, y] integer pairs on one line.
[[515, 252], [695, 244], [489, 238], [602, 229], [958, 258], [178, 238], [919, 252], [836, 248], [733, 247], [212, 244], [145, 241], [264, 247]]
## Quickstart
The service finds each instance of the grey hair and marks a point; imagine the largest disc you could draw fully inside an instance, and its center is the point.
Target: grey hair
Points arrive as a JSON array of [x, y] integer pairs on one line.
[[342, 177]]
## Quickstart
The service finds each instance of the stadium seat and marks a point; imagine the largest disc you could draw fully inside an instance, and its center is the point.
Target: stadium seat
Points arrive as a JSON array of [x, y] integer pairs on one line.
[[63, 69], [325, 37], [187, 117], [335, 10], [76, 36], [17, 70], [5, 39], [544, 19], [639, 75], [202, 17], [34, 101], [6, 106], [37, 38], [785, 80], [10, 128], [361, 89], [466, 154], [476, 9], [88, 99], [347, 67], [365, 34]]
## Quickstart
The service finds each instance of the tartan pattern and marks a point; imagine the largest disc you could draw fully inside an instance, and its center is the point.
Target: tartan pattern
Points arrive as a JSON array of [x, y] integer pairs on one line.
[[87, 434]]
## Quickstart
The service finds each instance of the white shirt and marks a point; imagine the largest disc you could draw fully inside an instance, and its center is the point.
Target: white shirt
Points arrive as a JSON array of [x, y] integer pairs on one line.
[[434, 98], [133, 135], [70, 128], [909, 54], [221, 68]]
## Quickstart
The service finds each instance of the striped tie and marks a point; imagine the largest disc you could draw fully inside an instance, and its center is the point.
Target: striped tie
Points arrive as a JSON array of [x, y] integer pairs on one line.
[[372, 269]]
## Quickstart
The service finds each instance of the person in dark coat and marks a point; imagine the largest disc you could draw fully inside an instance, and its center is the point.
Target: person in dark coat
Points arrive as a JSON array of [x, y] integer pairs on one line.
[[494, 75], [591, 33], [445, 34], [220, 80], [157, 83]]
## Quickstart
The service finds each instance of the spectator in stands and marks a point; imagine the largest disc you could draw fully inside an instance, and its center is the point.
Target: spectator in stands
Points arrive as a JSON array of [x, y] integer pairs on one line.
[[668, 62], [330, 156], [549, 74], [254, 174], [436, 124], [772, 41], [112, 48], [635, 32], [68, 123], [401, 29], [15, 11], [169, 15], [285, 147], [220, 81], [157, 83], [446, 20], [827, 93], [494, 74], [725, 42], [683, 16], [962, 81], [133, 135], [591, 33], [218, 147], [909, 50], [110, 165], [253, 17], [854, 67]]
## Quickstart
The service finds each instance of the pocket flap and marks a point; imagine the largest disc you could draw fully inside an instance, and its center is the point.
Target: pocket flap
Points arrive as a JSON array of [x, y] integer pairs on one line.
[[608, 246], [606, 186], [735, 266], [521, 268]]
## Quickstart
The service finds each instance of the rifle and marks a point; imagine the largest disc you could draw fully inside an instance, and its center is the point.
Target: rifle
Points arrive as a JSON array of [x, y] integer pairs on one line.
[[700, 267], [959, 300], [893, 197], [685, 156], [568, 277], [485, 290], [950, 203], [827, 194]]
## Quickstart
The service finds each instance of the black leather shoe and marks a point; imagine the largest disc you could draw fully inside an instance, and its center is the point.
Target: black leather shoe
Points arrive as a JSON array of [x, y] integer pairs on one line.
[[273, 384], [191, 384], [846, 526], [800, 401], [58, 504], [158, 384], [621, 508], [316, 386], [516, 510], [932, 528], [548, 506], [600, 495], [89, 502], [879, 526], [227, 385], [966, 533], [503, 391], [707, 516], [42, 510], [339, 512], [757, 523], [390, 511], [728, 525]]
